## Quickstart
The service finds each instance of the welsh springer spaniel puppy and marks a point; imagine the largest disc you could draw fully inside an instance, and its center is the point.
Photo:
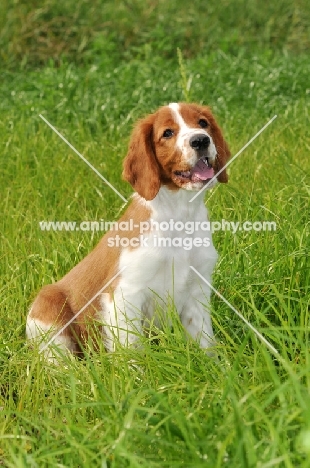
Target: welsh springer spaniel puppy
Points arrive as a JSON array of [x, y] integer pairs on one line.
[[172, 154]]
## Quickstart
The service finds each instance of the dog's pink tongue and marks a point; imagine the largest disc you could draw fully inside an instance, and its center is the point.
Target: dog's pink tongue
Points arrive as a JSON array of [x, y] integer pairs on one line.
[[201, 171]]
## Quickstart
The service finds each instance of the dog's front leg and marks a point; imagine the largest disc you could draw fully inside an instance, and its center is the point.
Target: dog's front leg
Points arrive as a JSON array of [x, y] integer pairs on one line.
[[196, 319], [122, 321]]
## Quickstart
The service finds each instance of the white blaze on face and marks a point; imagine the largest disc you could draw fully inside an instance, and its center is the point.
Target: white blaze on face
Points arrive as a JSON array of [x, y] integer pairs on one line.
[[185, 134]]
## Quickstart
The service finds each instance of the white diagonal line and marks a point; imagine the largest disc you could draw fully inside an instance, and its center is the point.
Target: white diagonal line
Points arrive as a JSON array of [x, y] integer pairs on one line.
[[231, 160], [80, 311], [257, 333], [83, 158]]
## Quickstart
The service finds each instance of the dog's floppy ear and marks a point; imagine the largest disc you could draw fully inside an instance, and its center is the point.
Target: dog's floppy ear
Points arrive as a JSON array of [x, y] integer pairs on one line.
[[223, 152], [140, 167]]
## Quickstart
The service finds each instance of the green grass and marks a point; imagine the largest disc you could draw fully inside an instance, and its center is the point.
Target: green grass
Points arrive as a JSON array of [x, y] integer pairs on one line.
[[34, 32], [176, 407]]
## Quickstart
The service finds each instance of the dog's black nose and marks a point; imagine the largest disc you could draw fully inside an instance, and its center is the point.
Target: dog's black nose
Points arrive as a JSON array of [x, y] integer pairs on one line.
[[199, 142]]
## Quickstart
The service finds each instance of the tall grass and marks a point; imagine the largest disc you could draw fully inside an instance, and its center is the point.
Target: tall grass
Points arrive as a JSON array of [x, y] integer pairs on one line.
[[34, 33], [174, 407]]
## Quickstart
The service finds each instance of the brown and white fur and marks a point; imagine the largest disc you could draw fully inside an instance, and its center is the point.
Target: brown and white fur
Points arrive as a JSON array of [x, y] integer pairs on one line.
[[162, 165]]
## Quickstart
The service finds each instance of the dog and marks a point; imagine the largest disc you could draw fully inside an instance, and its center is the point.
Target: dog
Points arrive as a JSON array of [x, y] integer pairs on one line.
[[173, 153]]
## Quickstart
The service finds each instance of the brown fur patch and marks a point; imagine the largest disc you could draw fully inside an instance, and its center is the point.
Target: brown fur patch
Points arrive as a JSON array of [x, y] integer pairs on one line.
[[56, 304]]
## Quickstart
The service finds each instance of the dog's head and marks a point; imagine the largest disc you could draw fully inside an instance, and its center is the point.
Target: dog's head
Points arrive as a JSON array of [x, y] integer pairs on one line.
[[180, 146]]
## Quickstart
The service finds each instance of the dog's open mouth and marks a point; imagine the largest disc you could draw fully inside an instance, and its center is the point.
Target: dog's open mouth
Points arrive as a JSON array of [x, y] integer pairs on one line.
[[201, 172]]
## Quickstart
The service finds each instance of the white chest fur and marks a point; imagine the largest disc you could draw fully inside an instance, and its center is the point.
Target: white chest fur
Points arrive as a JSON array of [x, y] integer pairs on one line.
[[159, 269]]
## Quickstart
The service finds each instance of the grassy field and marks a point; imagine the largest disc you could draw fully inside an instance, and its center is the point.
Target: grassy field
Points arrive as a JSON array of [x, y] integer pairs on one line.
[[92, 69]]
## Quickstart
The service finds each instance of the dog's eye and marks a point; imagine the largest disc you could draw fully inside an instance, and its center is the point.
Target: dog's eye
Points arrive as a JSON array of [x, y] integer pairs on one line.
[[203, 123], [168, 133]]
